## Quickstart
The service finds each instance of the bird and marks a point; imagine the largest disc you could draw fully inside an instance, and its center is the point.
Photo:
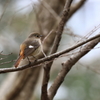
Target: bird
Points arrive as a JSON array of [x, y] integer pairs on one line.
[[32, 46]]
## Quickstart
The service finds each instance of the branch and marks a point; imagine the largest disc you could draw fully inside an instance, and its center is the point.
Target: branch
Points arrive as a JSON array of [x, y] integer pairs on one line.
[[44, 94], [3, 57], [92, 68], [48, 58], [76, 7], [68, 65], [59, 31], [1, 53], [7, 62], [49, 9], [61, 25]]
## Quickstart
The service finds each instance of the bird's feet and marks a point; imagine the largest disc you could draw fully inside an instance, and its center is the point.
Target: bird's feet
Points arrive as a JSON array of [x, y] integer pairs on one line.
[[29, 61], [35, 59]]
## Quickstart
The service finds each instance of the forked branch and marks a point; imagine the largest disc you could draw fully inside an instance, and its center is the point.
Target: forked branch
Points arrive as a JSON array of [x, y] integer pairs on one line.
[[68, 65]]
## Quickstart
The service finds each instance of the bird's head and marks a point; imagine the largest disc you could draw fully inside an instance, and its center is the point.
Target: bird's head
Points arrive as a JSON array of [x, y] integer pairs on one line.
[[35, 35]]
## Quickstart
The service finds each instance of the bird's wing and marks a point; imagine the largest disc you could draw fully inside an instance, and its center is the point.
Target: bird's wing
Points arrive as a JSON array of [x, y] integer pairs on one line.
[[30, 48]]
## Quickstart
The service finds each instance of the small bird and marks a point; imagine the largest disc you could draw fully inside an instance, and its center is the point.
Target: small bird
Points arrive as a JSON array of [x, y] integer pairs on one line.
[[30, 47]]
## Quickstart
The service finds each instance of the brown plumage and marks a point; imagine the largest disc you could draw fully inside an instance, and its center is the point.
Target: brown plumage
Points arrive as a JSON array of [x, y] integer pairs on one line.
[[30, 47]]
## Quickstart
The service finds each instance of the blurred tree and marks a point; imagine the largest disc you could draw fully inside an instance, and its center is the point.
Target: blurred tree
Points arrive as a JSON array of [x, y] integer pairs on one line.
[[21, 85], [24, 82]]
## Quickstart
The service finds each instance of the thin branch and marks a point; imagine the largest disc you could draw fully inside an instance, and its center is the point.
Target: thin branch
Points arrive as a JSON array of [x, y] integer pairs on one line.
[[49, 9], [5, 57], [76, 7], [48, 58], [72, 53], [70, 33], [46, 37], [68, 65], [92, 68], [92, 31], [7, 62], [1, 53]]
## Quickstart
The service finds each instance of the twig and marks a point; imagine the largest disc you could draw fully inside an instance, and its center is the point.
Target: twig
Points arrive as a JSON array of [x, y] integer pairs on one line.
[[76, 7], [97, 71], [72, 53], [92, 31], [1, 53], [70, 33], [7, 62], [46, 37]]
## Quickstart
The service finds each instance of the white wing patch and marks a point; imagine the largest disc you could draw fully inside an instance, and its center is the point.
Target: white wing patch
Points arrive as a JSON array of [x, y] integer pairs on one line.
[[30, 46]]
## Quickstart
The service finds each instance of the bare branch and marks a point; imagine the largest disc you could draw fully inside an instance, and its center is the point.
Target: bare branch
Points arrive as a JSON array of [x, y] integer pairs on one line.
[[55, 47], [45, 85], [1, 53], [92, 31], [48, 58], [68, 65], [46, 37], [61, 25], [7, 62], [76, 7], [3, 57], [97, 71], [70, 33]]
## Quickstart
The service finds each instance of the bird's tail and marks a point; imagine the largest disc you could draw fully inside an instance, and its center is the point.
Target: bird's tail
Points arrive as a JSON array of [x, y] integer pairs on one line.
[[18, 61]]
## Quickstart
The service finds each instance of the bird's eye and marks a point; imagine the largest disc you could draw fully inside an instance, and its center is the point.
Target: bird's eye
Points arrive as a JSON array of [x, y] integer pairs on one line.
[[37, 36]]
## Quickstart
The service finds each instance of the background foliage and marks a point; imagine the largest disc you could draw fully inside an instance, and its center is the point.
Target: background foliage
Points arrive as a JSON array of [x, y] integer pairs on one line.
[[18, 20]]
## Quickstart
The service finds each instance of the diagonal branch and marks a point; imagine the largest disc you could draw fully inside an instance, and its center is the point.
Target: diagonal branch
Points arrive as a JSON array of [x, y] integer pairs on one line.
[[68, 65], [49, 9], [48, 58], [76, 7], [61, 25]]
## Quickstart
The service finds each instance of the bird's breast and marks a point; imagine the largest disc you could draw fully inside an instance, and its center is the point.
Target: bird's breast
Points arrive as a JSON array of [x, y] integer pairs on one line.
[[37, 51]]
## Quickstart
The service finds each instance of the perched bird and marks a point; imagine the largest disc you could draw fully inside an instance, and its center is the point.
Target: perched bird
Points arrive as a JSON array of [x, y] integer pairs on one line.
[[30, 47]]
